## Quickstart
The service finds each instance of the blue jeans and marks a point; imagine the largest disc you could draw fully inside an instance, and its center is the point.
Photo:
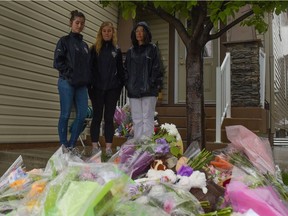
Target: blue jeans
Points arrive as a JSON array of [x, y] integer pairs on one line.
[[70, 95]]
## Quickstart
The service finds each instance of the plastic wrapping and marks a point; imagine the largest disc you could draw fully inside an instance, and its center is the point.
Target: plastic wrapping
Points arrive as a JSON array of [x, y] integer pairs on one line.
[[263, 200], [257, 149], [168, 200]]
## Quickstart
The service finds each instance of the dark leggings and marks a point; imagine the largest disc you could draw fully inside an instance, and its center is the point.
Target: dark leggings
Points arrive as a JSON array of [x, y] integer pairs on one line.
[[103, 100]]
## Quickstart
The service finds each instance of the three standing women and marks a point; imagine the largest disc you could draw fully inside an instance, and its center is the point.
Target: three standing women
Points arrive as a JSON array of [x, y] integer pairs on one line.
[[142, 78]]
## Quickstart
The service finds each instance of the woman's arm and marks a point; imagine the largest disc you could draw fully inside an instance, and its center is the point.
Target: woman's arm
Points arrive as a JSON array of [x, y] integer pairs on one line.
[[60, 58]]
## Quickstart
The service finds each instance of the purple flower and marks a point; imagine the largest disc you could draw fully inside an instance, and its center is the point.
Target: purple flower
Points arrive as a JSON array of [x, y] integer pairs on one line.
[[141, 165], [162, 148], [126, 152], [119, 115], [161, 141], [185, 171]]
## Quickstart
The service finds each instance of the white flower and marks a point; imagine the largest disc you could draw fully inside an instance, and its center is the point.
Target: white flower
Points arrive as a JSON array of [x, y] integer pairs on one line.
[[156, 191], [184, 183], [171, 130], [158, 174], [196, 180]]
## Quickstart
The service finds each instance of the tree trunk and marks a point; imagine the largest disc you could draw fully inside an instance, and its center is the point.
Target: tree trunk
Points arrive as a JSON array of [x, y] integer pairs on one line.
[[195, 95]]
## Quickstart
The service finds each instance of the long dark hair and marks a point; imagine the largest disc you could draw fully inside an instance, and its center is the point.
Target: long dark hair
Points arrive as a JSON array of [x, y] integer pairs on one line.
[[147, 34]]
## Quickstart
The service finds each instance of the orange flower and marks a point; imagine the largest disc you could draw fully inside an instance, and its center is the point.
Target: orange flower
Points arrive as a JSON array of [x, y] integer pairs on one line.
[[221, 163], [18, 183]]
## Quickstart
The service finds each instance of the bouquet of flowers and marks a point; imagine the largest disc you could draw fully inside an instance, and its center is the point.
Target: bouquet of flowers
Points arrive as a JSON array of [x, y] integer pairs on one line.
[[123, 121], [134, 157], [165, 199], [168, 137]]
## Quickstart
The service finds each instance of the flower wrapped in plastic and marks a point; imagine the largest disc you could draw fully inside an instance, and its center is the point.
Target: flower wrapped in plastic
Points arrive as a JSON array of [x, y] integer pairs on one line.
[[262, 200], [169, 199], [194, 157], [119, 115], [30, 204], [86, 183], [257, 149], [135, 157], [247, 173], [123, 121], [59, 161], [14, 185], [22, 189]]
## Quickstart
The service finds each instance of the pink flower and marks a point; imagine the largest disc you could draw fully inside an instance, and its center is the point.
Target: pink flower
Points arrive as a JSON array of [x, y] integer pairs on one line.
[[168, 205]]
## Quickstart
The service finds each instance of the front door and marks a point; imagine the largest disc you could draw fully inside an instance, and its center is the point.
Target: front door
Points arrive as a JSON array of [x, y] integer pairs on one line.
[[210, 64]]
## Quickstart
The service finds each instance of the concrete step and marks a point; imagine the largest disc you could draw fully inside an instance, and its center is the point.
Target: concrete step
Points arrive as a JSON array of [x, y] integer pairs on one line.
[[280, 155], [180, 122], [32, 158]]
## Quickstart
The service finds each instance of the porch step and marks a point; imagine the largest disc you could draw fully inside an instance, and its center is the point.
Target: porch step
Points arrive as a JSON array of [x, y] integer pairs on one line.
[[171, 111], [179, 121], [253, 124], [280, 142], [253, 118]]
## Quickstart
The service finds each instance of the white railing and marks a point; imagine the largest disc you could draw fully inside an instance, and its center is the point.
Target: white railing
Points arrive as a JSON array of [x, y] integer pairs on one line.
[[123, 98], [223, 94], [262, 60]]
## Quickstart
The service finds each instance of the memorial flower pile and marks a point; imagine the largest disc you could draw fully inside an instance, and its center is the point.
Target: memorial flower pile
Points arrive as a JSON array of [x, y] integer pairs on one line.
[[150, 177]]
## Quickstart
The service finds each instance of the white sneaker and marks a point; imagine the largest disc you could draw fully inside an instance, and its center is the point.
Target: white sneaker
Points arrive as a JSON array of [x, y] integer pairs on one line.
[[109, 152], [95, 148]]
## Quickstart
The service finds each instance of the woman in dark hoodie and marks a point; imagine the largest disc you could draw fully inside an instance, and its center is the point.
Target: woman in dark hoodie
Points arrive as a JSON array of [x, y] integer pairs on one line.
[[107, 82], [143, 79]]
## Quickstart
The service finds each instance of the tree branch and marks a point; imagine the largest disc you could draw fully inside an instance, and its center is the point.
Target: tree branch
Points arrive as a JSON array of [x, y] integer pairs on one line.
[[178, 25], [230, 25], [200, 15]]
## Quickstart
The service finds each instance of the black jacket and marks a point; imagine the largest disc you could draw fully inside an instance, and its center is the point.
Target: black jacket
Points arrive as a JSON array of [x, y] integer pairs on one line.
[[143, 76], [107, 67], [71, 59]]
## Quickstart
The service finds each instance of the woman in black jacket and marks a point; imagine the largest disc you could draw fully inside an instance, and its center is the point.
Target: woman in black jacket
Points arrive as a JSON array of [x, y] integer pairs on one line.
[[143, 79], [107, 83], [71, 59]]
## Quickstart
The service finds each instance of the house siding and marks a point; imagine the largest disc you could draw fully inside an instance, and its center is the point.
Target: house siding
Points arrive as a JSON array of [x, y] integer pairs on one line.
[[280, 48], [29, 31]]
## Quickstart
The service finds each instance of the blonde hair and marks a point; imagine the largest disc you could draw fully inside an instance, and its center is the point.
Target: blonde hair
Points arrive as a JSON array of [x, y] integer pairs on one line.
[[99, 38]]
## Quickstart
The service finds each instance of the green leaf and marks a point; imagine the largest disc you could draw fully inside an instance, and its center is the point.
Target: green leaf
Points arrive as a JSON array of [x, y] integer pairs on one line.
[[175, 151]]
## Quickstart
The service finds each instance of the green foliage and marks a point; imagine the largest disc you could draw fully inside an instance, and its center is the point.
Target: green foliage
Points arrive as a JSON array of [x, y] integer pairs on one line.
[[217, 10], [285, 177], [258, 22], [200, 160]]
